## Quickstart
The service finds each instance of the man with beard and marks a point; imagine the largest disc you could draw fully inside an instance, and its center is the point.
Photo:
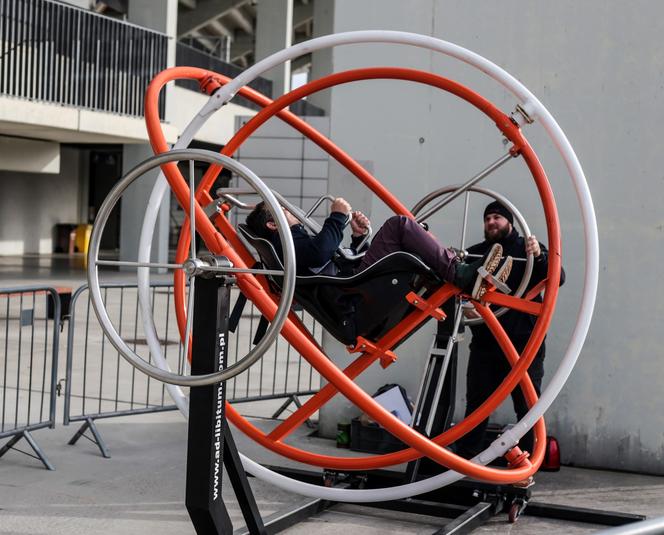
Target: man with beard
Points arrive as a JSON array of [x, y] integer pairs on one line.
[[487, 365]]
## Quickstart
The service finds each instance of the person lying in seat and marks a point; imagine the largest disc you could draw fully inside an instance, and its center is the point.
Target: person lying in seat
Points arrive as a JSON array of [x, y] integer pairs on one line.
[[314, 253]]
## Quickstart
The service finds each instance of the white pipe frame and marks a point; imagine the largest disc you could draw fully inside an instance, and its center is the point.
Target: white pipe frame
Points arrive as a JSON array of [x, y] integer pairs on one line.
[[536, 110]]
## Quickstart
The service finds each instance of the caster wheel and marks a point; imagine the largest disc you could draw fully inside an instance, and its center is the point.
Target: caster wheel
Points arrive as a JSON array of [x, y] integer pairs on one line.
[[515, 510]]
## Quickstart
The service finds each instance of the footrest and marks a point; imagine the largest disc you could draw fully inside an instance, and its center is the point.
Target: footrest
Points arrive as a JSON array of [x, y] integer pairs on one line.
[[493, 281], [363, 345], [420, 302]]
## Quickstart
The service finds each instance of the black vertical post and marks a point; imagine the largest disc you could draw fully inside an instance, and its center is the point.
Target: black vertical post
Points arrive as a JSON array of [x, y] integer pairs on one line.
[[205, 449], [210, 443], [243, 492]]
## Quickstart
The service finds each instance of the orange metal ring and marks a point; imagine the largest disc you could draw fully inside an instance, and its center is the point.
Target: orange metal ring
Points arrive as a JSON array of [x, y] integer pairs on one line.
[[313, 354]]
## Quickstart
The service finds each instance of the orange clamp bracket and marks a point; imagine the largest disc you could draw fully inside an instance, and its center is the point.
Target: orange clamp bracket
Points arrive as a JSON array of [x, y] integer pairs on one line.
[[363, 345], [210, 84], [421, 303], [517, 458]]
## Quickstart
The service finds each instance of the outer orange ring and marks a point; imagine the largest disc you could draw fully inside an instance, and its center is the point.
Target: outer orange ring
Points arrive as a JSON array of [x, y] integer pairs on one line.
[[298, 340]]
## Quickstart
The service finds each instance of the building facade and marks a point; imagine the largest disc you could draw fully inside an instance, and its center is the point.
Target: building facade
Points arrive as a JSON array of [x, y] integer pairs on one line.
[[72, 78]]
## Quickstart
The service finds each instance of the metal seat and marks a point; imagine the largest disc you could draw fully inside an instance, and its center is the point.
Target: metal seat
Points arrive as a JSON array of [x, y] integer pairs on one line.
[[367, 303]]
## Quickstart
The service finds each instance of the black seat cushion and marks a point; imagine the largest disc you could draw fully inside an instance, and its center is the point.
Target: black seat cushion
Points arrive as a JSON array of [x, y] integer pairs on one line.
[[367, 304]]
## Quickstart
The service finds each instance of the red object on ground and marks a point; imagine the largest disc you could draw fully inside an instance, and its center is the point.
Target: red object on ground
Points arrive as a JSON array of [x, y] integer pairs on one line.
[[551, 461]]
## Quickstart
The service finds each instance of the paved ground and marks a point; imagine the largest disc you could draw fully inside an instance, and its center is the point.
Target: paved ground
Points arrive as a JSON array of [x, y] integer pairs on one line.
[[141, 488]]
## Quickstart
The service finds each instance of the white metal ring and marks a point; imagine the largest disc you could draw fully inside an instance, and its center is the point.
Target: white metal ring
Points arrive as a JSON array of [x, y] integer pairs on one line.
[[536, 110]]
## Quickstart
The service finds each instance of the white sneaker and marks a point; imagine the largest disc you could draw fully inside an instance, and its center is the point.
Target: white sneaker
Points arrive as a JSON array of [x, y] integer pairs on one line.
[[491, 262]]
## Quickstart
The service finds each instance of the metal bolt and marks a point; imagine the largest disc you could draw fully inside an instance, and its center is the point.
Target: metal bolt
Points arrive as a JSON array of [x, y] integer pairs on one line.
[[395, 281]]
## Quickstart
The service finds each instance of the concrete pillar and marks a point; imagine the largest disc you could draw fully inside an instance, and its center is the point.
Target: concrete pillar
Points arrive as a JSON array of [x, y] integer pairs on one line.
[[162, 19], [380, 123], [134, 202], [322, 60], [29, 155], [274, 31]]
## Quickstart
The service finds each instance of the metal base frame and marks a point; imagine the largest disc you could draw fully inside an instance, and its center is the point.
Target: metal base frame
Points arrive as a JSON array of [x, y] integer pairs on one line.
[[469, 504], [210, 445], [581, 514], [282, 520], [210, 442], [40, 455], [96, 437]]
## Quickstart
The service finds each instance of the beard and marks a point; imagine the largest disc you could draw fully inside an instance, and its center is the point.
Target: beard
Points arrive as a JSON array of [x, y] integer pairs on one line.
[[497, 235]]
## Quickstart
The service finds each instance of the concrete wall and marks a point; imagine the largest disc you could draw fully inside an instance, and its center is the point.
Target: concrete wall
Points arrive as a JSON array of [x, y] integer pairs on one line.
[[598, 67], [66, 124], [32, 203], [218, 129], [274, 31], [37, 121], [29, 155], [287, 162]]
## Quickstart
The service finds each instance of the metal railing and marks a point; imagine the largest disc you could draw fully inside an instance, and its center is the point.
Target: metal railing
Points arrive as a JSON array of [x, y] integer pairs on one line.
[[101, 384], [57, 53], [220, 50], [186, 55], [29, 337]]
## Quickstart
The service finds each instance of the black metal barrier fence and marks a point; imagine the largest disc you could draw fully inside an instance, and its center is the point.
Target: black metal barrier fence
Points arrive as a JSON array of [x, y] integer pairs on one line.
[[29, 338], [100, 383], [54, 52]]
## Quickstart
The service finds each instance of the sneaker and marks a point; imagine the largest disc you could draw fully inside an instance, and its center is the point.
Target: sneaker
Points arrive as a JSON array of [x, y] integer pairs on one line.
[[500, 276], [503, 273], [466, 272], [490, 264]]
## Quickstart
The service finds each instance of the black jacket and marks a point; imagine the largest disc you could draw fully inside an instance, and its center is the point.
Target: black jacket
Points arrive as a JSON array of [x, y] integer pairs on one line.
[[518, 325], [314, 254]]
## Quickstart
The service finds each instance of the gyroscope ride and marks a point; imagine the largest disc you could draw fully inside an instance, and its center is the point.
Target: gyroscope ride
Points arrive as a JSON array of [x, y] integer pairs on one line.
[[400, 292]]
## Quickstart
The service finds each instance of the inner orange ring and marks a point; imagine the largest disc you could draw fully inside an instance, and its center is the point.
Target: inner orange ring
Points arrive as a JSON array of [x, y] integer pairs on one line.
[[313, 354]]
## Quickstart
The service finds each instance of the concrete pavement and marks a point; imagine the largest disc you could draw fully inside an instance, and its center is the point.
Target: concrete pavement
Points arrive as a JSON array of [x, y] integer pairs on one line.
[[141, 488]]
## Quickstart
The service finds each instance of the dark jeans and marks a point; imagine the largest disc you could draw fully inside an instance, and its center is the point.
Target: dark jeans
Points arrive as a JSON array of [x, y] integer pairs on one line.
[[486, 370], [400, 233]]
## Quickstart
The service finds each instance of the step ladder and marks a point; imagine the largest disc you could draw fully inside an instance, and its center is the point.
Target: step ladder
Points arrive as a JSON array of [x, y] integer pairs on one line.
[[435, 402]]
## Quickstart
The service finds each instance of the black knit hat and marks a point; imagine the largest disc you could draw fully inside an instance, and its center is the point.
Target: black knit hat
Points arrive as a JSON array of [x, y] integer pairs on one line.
[[497, 208]]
